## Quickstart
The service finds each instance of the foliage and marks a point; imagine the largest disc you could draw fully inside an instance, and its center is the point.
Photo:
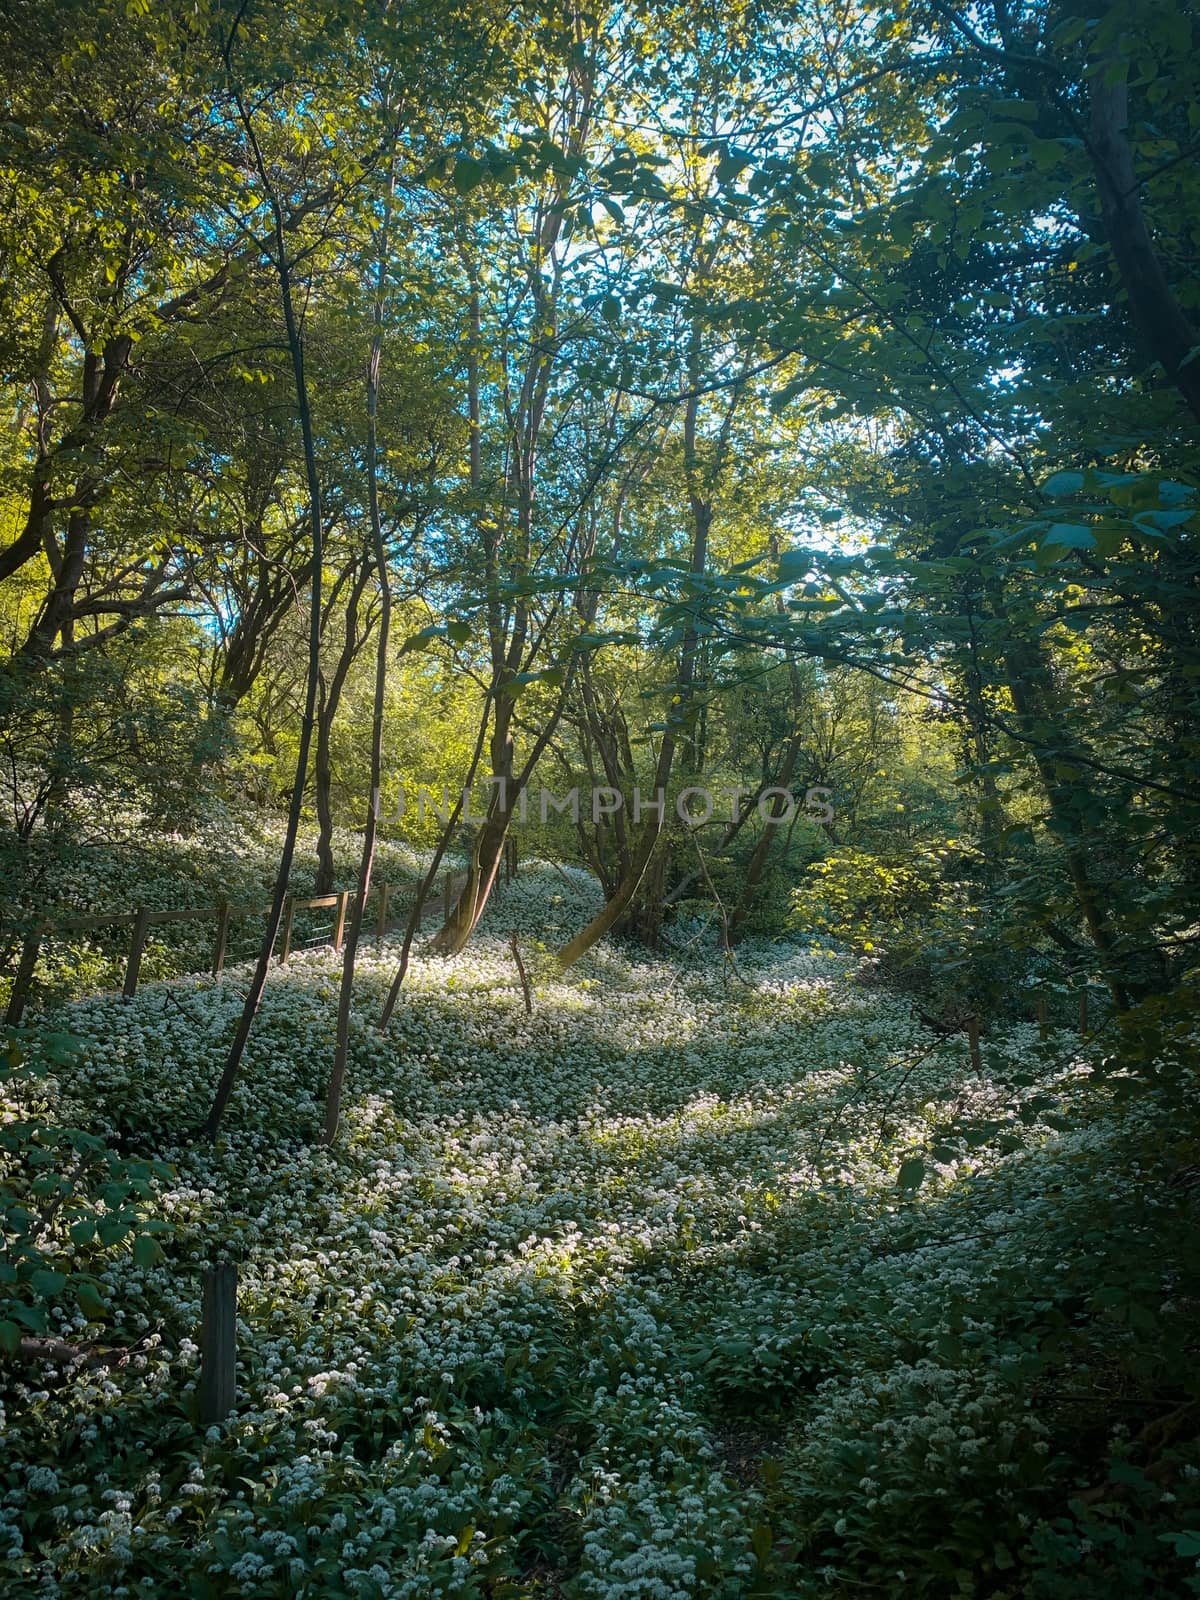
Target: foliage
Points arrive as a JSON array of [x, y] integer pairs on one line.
[[851, 894], [520, 1318], [71, 1204], [742, 397]]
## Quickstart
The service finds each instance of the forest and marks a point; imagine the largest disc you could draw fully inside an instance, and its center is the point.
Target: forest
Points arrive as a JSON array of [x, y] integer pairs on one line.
[[600, 799]]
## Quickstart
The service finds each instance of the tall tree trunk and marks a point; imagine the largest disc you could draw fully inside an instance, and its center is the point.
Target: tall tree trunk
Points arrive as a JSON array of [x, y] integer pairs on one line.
[[489, 844], [509, 639], [341, 1048], [488, 848], [295, 342], [1170, 336], [323, 793], [57, 614]]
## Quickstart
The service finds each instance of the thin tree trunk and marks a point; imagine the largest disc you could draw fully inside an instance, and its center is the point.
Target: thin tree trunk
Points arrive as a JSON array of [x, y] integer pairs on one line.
[[1169, 335], [341, 1048], [761, 854], [508, 646], [610, 914], [329, 699], [700, 486], [414, 918], [295, 341]]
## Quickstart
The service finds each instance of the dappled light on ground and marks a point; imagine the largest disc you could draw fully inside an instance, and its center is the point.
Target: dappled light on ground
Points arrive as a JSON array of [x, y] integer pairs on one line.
[[502, 1332]]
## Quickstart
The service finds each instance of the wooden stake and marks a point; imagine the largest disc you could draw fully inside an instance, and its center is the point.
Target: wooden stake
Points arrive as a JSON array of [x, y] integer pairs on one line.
[[339, 920], [1083, 1011], [385, 890], [222, 939], [289, 917], [137, 943], [218, 1343], [973, 1044]]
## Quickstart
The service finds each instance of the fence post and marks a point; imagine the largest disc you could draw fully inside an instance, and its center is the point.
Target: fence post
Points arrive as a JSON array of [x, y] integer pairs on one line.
[[289, 914], [1083, 1010], [973, 1043], [222, 939], [24, 978], [137, 943], [385, 890], [1043, 1019], [339, 919], [218, 1343]]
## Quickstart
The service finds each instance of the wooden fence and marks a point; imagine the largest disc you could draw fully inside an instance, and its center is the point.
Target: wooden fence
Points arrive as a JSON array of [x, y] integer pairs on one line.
[[390, 899]]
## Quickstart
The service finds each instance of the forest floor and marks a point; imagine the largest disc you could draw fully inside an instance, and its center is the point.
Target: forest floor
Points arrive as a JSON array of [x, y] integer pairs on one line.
[[698, 1280]]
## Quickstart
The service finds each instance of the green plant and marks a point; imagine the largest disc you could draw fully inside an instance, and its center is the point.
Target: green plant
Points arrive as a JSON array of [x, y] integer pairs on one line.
[[68, 1202]]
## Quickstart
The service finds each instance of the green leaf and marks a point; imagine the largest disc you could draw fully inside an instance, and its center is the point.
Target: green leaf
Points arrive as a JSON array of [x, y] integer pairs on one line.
[[146, 1250], [795, 563], [90, 1302], [731, 165], [1063, 483], [468, 174], [1163, 521], [1070, 535], [912, 1173], [1186, 1542], [1015, 110]]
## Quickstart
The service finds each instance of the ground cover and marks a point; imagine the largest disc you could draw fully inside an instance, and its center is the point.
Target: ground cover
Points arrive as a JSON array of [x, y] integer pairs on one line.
[[696, 1281]]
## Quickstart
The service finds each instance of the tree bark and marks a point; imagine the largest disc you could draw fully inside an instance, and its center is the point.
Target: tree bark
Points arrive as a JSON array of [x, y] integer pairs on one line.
[[610, 914], [1169, 334], [341, 1048], [328, 700], [295, 342]]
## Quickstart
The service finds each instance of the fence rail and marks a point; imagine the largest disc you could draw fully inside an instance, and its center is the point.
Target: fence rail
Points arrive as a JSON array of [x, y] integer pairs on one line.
[[392, 901]]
